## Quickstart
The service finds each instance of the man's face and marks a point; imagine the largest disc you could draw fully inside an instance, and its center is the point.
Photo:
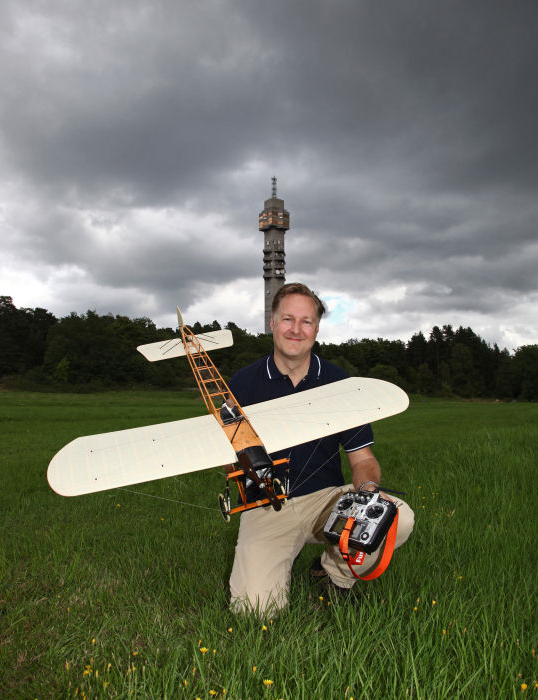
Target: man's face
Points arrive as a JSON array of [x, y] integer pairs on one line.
[[295, 326]]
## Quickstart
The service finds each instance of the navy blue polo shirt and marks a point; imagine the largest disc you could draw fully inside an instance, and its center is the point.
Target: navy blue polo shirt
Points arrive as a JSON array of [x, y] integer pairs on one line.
[[313, 465]]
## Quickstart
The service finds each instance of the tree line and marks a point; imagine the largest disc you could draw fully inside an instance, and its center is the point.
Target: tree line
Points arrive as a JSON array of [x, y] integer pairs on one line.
[[91, 352]]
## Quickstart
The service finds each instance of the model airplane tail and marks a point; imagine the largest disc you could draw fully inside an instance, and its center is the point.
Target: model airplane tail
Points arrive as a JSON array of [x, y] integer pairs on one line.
[[175, 347]]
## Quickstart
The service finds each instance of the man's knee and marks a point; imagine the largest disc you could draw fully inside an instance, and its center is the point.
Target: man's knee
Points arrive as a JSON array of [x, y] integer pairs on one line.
[[406, 521]]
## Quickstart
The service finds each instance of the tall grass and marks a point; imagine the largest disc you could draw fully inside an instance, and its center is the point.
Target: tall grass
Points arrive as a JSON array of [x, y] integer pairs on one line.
[[123, 594]]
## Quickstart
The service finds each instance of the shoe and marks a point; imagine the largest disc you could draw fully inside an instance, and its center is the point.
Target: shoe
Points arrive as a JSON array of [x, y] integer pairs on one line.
[[317, 572], [326, 587]]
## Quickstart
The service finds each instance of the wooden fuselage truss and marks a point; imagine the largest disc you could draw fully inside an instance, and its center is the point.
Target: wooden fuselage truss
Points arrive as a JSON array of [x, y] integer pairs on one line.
[[247, 444]]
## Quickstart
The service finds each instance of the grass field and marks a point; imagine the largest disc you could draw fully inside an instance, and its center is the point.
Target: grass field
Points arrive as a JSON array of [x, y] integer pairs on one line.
[[124, 594]]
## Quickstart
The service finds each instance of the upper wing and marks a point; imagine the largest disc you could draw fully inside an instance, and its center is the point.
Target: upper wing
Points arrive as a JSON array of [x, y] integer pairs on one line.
[[166, 349], [328, 409], [110, 460]]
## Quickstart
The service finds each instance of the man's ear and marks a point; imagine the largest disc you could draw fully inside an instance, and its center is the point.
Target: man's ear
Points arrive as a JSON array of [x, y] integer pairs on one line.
[[272, 323]]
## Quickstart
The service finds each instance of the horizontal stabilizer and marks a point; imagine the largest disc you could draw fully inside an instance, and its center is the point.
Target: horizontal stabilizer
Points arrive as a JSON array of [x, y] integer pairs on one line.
[[166, 349]]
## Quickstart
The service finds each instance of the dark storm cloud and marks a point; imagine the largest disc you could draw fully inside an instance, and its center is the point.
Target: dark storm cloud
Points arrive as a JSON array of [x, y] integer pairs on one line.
[[138, 139]]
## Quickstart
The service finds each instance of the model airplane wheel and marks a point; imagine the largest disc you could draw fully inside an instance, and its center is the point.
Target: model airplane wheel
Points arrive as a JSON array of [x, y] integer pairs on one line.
[[278, 490], [224, 508]]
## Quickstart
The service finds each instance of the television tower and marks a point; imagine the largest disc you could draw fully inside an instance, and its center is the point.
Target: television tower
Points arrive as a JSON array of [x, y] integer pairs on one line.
[[274, 221]]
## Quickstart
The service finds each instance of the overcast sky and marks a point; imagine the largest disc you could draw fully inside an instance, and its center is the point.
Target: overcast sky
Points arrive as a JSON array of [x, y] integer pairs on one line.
[[139, 137]]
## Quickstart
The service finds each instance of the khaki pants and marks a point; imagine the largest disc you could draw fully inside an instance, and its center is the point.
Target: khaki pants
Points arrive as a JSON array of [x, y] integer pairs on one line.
[[269, 541]]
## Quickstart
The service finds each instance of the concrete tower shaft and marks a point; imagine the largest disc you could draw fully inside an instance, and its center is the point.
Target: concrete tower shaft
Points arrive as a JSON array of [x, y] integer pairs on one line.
[[274, 221]]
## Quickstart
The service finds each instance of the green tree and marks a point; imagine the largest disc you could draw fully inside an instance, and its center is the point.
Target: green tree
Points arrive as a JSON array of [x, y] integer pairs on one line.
[[23, 336], [427, 382], [386, 372], [416, 350], [466, 379], [525, 372]]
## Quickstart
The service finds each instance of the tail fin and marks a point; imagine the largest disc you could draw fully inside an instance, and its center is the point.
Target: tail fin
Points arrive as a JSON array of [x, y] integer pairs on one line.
[[179, 318]]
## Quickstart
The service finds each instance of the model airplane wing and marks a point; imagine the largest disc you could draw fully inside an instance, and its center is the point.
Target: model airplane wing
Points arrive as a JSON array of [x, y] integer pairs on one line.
[[325, 410], [116, 459], [111, 460], [167, 349]]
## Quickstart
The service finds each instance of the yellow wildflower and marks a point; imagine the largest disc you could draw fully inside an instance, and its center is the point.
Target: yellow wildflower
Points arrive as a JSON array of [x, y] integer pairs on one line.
[[212, 692], [434, 602], [268, 683], [254, 669], [264, 628], [523, 686], [203, 650]]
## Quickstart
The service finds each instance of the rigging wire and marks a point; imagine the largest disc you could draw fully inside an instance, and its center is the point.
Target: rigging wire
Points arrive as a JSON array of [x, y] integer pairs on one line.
[[172, 500], [297, 483]]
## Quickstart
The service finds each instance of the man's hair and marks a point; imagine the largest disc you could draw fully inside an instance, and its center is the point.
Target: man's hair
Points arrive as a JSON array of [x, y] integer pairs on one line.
[[297, 288]]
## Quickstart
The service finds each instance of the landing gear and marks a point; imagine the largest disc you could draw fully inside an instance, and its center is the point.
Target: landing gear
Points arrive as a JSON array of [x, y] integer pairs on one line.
[[279, 490], [224, 504]]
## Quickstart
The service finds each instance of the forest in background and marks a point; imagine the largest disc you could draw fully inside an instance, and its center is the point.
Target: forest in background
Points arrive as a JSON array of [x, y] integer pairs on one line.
[[91, 352]]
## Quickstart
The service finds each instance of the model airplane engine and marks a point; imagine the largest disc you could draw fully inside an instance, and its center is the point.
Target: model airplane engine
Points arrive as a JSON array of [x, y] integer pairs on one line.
[[372, 517], [261, 472], [256, 464]]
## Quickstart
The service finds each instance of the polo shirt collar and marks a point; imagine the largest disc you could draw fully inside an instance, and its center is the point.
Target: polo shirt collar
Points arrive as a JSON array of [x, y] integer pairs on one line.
[[272, 371]]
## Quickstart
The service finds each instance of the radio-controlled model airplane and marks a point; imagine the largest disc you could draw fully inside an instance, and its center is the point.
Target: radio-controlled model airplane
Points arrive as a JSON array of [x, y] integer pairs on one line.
[[229, 435]]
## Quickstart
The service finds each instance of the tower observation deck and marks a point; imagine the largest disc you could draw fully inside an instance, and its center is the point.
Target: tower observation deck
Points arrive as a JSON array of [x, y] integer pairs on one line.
[[274, 221]]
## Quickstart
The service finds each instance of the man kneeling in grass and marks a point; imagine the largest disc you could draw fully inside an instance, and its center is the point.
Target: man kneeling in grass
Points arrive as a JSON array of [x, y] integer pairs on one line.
[[269, 541]]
